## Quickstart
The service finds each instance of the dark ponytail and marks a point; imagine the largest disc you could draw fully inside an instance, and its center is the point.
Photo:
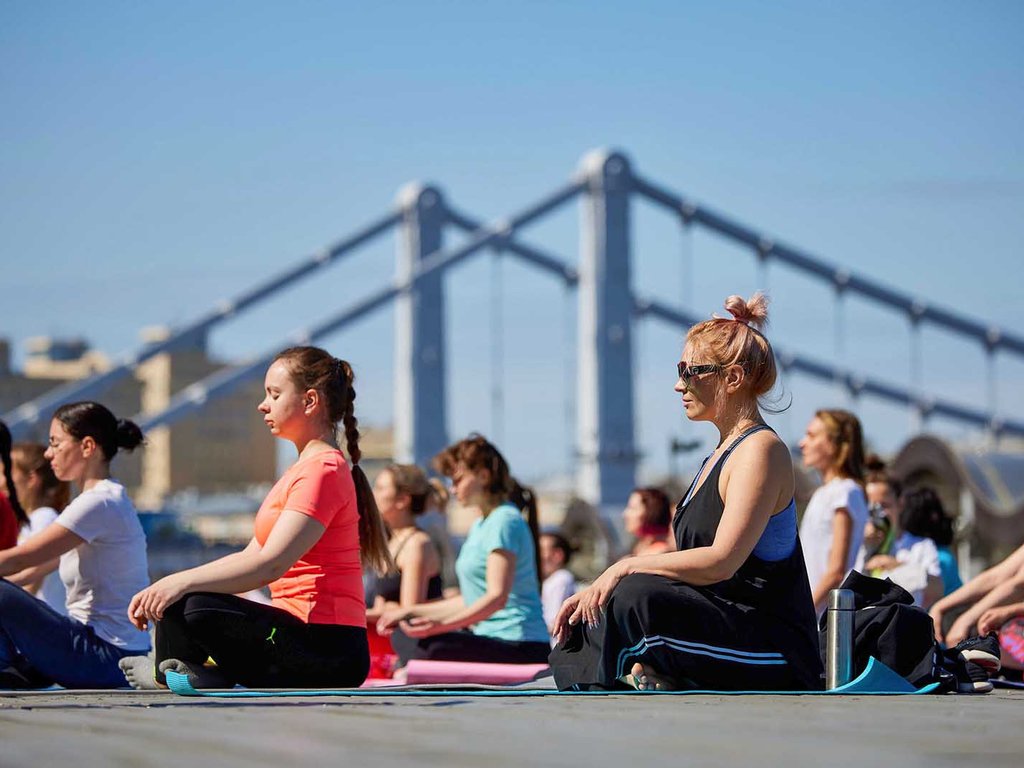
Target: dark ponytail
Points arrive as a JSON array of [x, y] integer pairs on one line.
[[89, 419], [315, 368], [525, 499], [12, 492]]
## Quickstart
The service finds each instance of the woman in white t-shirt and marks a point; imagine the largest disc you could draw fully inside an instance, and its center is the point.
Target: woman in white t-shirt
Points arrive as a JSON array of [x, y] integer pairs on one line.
[[832, 529], [44, 497], [102, 552]]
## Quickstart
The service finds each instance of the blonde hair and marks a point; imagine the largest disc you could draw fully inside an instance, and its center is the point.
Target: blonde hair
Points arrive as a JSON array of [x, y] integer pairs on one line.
[[844, 431], [423, 492], [739, 341]]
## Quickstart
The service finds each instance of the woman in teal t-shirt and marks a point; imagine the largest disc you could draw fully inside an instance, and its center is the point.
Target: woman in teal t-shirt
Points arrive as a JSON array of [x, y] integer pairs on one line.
[[497, 617]]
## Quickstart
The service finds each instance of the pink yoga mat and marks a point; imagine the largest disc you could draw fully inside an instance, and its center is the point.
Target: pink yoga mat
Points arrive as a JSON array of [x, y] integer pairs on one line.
[[422, 672]]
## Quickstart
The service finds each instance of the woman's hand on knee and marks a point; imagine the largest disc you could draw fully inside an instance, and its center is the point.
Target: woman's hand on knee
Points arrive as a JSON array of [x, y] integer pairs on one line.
[[560, 628], [596, 596], [150, 604]]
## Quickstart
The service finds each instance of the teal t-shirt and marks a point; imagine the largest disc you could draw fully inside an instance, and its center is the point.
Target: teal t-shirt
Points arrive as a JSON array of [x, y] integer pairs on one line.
[[522, 618]]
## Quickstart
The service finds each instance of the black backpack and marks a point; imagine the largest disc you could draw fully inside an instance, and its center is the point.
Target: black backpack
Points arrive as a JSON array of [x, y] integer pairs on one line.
[[888, 626]]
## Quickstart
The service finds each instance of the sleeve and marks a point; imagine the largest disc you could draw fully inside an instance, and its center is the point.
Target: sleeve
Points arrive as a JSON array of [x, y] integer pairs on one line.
[[40, 519], [504, 534], [87, 516], [318, 491], [852, 498], [924, 554]]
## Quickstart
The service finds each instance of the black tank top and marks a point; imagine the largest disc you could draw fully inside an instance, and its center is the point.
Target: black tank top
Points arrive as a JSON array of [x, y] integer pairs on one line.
[[390, 587], [778, 592]]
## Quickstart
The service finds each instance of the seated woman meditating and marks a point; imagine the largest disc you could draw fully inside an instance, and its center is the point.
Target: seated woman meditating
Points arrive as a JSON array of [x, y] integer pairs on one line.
[[100, 547], [403, 492], [732, 608], [497, 617], [316, 525]]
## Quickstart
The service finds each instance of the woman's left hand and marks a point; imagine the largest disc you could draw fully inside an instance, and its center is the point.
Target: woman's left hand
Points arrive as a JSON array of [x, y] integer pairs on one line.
[[593, 599], [420, 627], [993, 619], [882, 563], [150, 604]]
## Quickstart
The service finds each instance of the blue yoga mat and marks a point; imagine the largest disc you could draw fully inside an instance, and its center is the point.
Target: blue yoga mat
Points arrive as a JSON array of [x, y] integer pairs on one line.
[[876, 680]]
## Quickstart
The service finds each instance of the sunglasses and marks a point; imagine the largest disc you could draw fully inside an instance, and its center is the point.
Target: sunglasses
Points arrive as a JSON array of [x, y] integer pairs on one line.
[[687, 372]]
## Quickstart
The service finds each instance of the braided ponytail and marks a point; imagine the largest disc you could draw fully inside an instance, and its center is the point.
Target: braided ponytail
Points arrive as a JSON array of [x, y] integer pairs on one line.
[[314, 368], [373, 538]]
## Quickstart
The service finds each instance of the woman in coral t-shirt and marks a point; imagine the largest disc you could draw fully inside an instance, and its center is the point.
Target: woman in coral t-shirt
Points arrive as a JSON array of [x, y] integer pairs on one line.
[[316, 528]]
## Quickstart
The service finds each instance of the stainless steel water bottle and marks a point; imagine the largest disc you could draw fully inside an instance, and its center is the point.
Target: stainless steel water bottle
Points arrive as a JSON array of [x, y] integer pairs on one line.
[[839, 636]]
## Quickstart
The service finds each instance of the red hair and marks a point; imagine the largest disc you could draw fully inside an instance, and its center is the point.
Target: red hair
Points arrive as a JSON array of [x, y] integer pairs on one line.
[[739, 341]]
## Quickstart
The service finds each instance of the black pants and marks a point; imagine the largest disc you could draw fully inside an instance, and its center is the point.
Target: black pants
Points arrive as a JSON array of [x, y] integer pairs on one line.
[[465, 646], [686, 634], [261, 646]]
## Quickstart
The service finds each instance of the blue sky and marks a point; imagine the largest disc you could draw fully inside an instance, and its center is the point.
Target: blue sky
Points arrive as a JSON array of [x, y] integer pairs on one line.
[[158, 157]]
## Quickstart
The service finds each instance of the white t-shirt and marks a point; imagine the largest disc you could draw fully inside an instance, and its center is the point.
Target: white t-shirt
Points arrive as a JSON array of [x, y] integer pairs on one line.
[[555, 590], [816, 527], [103, 574], [52, 590], [920, 555]]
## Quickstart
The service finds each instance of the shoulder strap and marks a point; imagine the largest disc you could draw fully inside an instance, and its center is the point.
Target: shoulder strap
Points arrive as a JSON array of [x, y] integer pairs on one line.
[[693, 483], [741, 438]]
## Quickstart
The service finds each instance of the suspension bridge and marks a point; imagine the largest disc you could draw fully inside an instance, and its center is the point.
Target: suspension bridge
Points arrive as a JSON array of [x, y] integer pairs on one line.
[[606, 186]]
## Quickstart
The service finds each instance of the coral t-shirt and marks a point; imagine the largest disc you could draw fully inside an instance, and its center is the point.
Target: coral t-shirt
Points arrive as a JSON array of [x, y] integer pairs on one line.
[[325, 585]]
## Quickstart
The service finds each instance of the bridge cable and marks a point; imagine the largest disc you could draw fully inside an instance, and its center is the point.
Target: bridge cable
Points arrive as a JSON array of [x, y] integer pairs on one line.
[[918, 415], [497, 347], [569, 376]]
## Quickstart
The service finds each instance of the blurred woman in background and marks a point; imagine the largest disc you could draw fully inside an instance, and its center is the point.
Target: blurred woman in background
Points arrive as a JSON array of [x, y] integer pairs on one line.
[[647, 518], [832, 529]]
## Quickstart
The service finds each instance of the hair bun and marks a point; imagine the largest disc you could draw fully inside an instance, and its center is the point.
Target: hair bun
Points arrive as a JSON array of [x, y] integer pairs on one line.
[[751, 312], [129, 436], [873, 463]]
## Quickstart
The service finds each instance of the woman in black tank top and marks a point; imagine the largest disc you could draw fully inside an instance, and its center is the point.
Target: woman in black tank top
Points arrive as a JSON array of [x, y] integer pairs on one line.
[[402, 492], [731, 610]]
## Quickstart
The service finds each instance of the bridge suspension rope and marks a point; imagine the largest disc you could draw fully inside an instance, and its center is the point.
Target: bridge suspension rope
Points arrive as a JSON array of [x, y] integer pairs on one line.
[[497, 347]]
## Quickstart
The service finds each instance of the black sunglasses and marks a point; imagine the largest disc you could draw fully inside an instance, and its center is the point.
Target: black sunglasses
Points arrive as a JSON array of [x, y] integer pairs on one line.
[[687, 372]]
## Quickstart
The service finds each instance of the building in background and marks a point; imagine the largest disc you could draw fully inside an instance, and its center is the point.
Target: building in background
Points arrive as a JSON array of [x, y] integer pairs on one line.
[[224, 449]]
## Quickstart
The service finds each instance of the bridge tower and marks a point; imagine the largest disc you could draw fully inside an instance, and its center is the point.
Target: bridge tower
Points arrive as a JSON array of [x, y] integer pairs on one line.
[[420, 392], [607, 454]]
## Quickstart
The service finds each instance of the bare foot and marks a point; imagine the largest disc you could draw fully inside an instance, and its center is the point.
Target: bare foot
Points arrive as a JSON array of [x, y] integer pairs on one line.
[[646, 679]]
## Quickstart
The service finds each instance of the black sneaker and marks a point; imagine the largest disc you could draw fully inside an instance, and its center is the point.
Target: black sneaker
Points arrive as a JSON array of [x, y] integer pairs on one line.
[[971, 677], [983, 651]]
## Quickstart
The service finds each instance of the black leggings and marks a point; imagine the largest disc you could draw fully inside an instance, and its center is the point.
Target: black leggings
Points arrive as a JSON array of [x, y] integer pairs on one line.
[[465, 646], [261, 646]]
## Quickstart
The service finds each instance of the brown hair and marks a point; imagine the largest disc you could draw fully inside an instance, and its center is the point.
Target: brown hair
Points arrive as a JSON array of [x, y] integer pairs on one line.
[[91, 419], [876, 471], [30, 458], [314, 368], [476, 453], [422, 491], [738, 341], [845, 433], [657, 511]]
